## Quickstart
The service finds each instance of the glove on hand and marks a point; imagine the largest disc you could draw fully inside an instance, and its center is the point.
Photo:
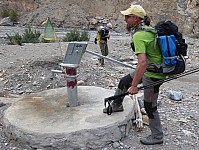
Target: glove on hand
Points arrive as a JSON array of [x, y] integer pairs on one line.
[[95, 40]]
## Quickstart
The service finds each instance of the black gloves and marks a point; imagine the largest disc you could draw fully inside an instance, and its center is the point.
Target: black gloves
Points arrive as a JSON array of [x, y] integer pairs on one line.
[[95, 40]]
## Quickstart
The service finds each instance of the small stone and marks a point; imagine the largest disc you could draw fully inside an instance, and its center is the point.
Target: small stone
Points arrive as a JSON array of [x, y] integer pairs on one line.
[[21, 92], [34, 83], [116, 144], [121, 143], [111, 85], [188, 133], [183, 120], [134, 62], [175, 95], [178, 137], [28, 91], [18, 86], [80, 82]]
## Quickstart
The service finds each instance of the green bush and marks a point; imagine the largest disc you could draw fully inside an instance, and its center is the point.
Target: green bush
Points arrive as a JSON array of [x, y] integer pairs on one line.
[[9, 13], [15, 39], [72, 36], [5, 13], [28, 37], [13, 15], [75, 35], [84, 36]]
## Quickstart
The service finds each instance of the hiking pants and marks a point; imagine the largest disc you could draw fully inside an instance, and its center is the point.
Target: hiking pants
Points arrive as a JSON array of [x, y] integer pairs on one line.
[[150, 101], [104, 51]]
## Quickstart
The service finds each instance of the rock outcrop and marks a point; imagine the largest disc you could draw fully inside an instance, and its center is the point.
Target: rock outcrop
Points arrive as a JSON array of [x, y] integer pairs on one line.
[[90, 13]]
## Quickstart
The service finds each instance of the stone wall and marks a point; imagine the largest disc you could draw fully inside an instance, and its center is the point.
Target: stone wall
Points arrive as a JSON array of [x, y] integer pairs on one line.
[[91, 13]]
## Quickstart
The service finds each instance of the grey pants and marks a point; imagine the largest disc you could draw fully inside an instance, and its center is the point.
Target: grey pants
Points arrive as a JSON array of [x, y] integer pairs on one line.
[[104, 51], [150, 101]]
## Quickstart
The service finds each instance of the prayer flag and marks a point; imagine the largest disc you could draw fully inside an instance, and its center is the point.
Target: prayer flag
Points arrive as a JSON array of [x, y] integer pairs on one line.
[[49, 32]]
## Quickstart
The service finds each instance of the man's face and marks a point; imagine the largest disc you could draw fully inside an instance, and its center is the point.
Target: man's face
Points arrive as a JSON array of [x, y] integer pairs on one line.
[[130, 20]]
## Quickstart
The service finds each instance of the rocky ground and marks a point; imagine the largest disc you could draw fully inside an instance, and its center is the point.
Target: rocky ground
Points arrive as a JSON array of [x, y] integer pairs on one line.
[[27, 69]]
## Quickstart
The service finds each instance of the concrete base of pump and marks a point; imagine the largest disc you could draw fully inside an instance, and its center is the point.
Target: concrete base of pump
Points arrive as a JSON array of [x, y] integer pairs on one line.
[[43, 120]]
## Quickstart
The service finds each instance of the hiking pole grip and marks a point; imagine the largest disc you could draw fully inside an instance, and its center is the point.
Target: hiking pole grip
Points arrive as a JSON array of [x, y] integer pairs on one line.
[[110, 101], [121, 95], [116, 96]]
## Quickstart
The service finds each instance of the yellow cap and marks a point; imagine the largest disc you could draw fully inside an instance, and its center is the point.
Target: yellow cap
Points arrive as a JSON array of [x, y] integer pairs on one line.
[[136, 10]]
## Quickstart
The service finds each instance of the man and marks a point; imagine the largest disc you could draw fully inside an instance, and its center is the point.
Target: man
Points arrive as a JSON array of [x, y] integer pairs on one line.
[[146, 52], [104, 35]]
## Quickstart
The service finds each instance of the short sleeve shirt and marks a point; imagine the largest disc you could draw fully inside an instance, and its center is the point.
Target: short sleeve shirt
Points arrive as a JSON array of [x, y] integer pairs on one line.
[[144, 43]]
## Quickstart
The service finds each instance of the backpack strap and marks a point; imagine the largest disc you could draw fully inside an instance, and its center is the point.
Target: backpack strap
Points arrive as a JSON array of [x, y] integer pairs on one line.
[[150, 29], [158, 66], [154, 66]]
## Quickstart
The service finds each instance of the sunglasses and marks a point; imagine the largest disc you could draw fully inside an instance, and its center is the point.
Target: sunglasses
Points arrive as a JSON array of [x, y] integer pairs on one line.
[[128, 16]]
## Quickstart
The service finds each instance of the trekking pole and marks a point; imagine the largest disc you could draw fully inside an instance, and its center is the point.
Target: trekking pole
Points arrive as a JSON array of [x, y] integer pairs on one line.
[[112, 99], [110, 59], [171, 78]]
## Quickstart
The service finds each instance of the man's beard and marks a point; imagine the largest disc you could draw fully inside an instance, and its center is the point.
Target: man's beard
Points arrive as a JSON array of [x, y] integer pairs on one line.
[[128, 28]]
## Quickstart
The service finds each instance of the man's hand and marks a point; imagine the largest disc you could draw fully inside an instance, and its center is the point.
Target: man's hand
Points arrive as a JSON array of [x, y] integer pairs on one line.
[[133, 90], [108, 36]]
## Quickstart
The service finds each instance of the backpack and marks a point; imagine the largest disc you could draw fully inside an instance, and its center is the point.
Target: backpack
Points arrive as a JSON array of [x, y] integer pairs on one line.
[[97, 38], [173, 48], [167, 28]]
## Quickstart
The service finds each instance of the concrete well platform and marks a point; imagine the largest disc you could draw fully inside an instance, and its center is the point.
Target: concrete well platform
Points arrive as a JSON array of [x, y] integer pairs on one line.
[[44, 121]]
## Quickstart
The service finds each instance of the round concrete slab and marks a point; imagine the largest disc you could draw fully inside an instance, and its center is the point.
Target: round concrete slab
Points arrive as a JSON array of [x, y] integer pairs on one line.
[[44, 120]]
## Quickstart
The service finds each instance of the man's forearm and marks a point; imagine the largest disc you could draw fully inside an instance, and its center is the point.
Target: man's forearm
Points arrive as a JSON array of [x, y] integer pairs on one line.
[[137, 76]]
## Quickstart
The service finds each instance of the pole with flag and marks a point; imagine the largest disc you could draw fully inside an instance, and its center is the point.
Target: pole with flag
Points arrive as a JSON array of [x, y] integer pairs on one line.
[[49, 32]]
